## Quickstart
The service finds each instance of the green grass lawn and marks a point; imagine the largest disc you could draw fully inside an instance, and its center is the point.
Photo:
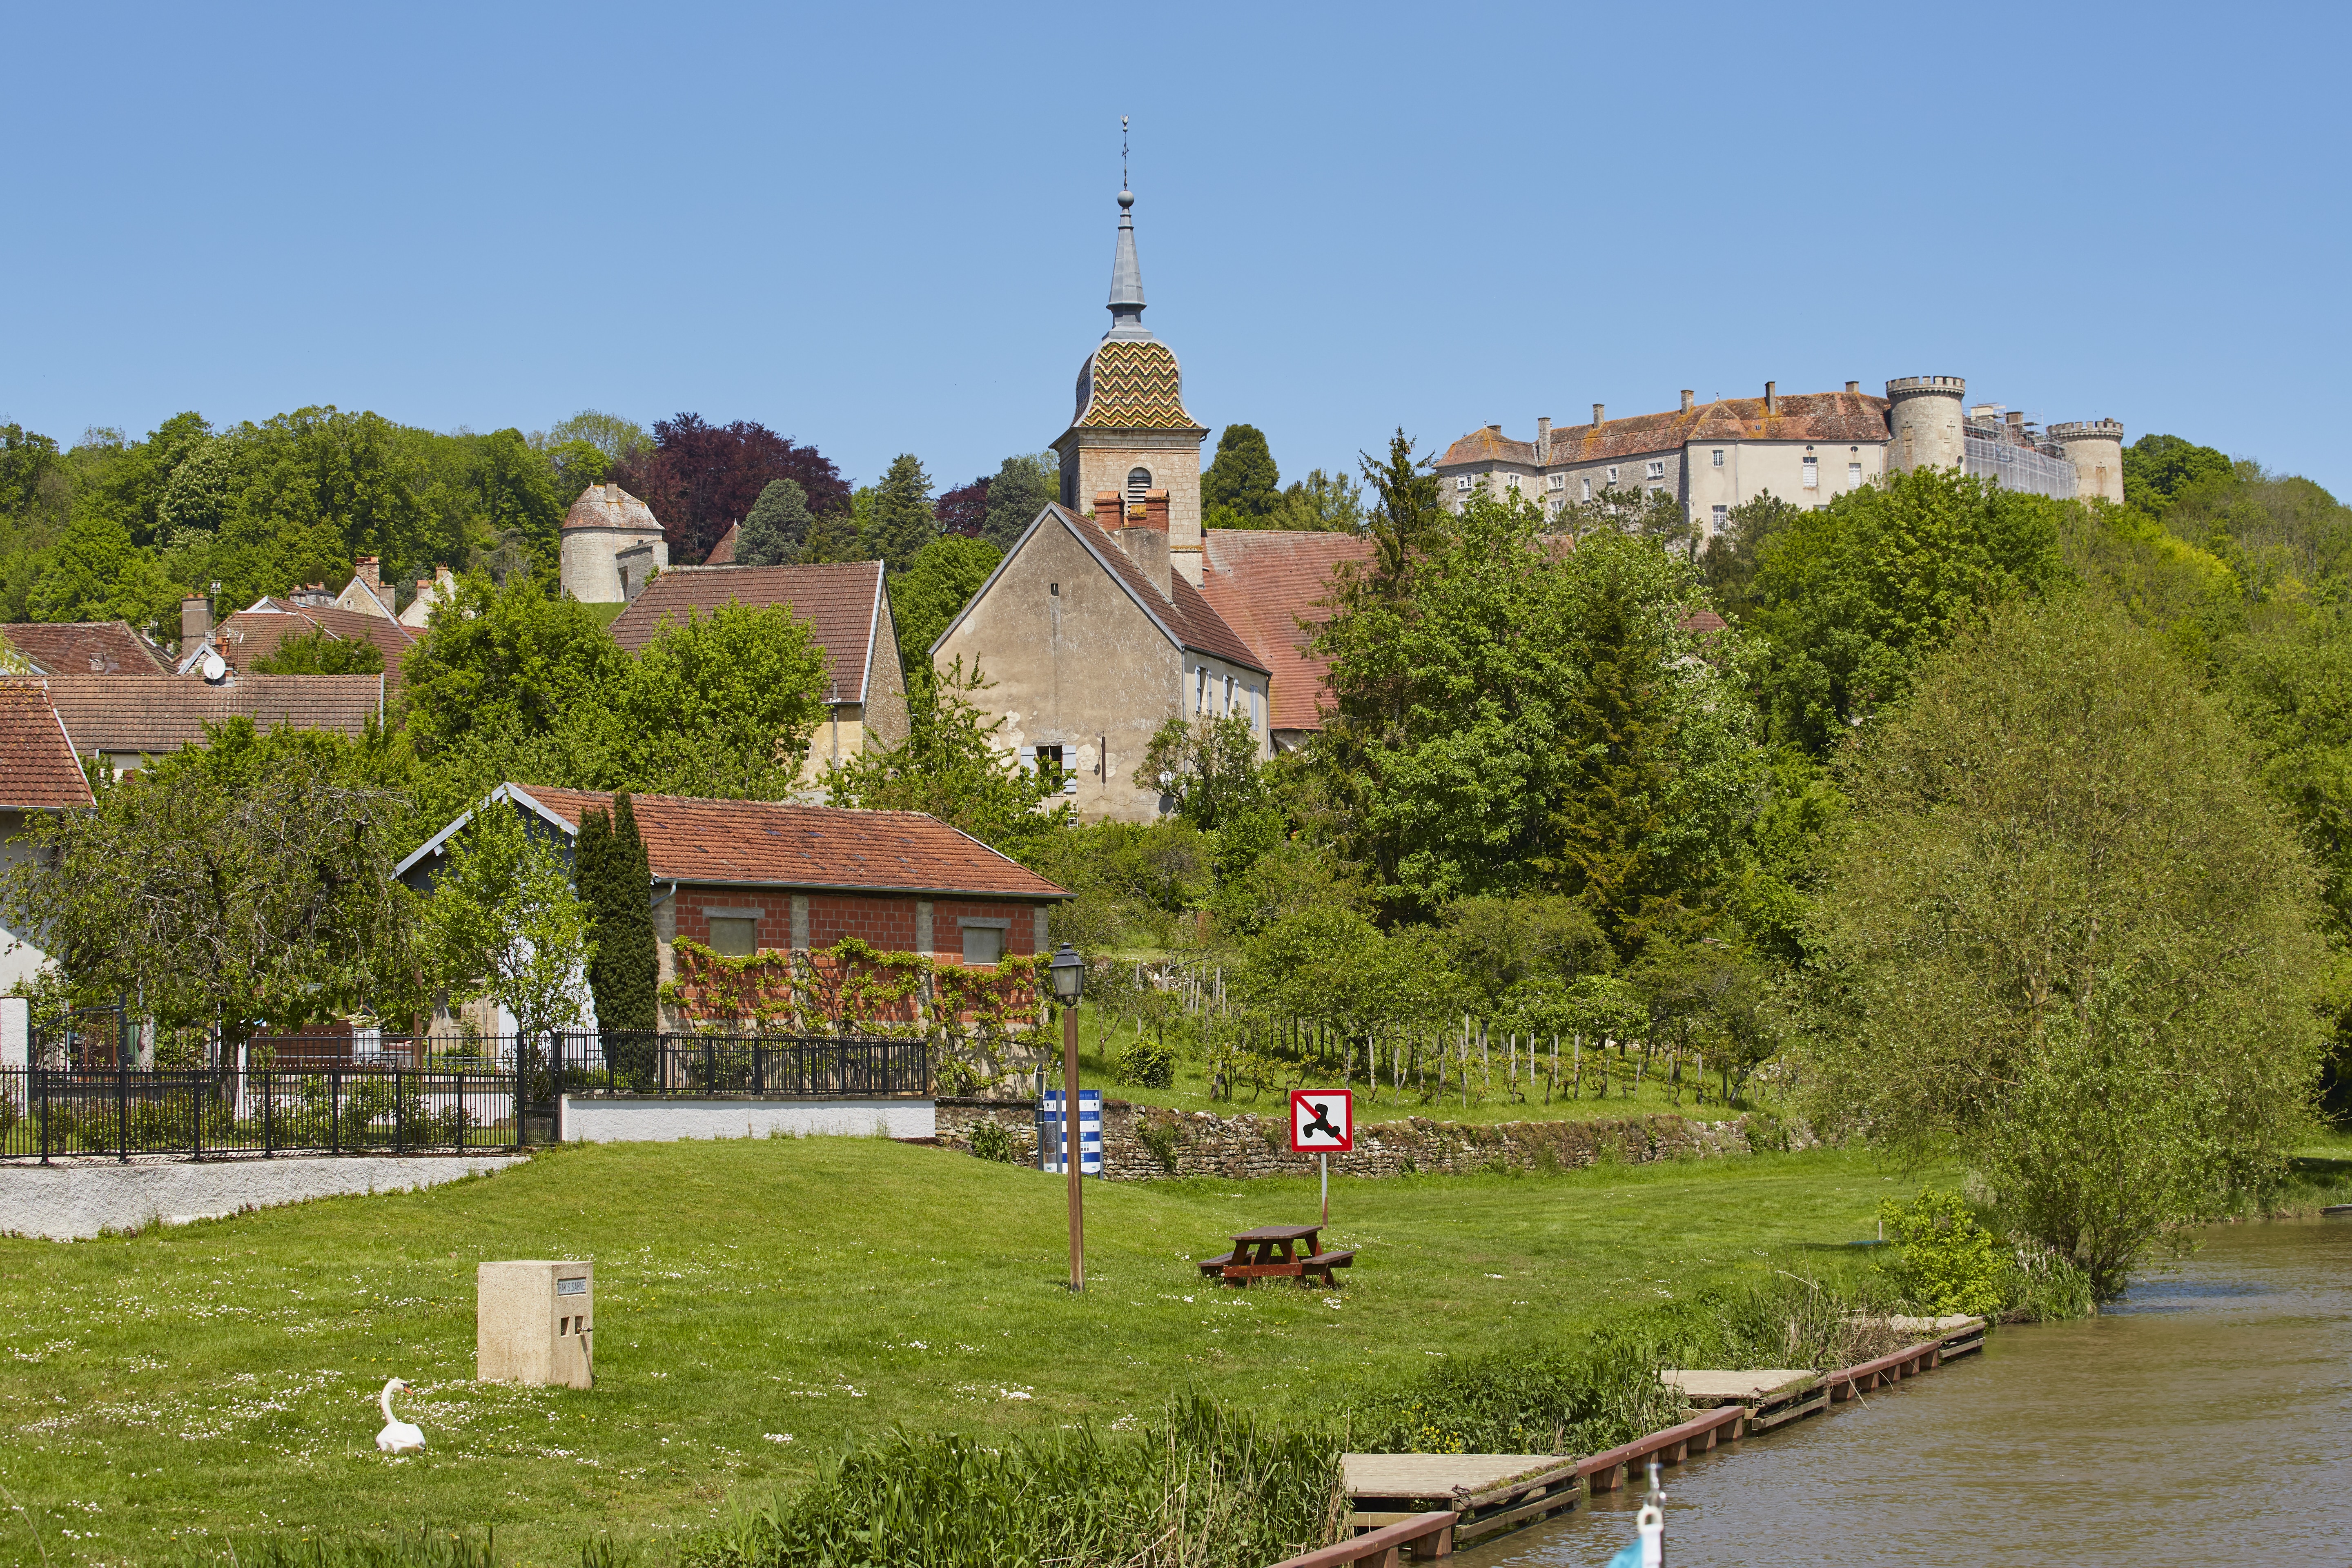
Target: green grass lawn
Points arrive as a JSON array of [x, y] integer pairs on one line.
[[762, 1303], [1097, 1057]]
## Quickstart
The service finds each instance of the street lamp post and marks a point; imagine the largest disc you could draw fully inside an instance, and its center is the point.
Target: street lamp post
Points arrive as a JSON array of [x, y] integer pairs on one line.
[[1070, 971]]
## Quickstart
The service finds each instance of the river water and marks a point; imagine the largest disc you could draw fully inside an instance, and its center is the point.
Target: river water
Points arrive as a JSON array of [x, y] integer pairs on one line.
[[2205, 1418]]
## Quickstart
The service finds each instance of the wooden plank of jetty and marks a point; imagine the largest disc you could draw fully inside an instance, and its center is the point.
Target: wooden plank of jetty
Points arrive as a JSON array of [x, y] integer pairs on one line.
[[1488, 1492]]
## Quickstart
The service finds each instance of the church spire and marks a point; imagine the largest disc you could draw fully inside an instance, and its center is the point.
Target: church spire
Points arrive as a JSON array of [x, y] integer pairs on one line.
[[1126, 278]]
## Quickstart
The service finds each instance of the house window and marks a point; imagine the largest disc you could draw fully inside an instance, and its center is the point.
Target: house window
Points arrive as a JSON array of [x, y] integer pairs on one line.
[[1613, 473], [1718, 456], [737, 936], [1658, 471], [1200, 690], [1721, 519], [1588, 487], [1229, 694], [1854, 474], [984, 944], [1512, 482], [1257, 709], [1462, 483], [1812, 473]]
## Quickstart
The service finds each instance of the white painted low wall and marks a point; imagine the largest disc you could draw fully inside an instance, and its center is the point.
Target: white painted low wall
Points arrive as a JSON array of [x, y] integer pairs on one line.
[[75, 1202], [661, 1120]]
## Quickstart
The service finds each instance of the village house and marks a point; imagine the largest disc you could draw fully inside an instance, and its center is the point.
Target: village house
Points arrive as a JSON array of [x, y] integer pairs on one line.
[[746, 877], [37, 774], [263, 626], [85, 647], [847, 613], [124, 718]]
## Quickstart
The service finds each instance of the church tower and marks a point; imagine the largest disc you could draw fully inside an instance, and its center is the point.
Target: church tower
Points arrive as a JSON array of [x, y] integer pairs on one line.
[[1131, 457]]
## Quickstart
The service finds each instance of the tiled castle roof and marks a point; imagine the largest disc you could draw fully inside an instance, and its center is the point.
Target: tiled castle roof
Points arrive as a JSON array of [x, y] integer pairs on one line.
[[1132, 385], [610, 506], [1821, 417]]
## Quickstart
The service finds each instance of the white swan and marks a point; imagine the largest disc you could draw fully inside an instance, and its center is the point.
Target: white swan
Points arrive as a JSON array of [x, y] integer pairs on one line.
[[397, 1437]]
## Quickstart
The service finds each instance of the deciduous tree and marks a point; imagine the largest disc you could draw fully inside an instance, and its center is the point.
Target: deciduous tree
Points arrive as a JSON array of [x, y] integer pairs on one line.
[[503, 922]]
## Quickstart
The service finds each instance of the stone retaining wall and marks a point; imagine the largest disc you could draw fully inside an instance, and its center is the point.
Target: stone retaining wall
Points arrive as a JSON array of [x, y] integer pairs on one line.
[[76, 1200], [1149, 1143]]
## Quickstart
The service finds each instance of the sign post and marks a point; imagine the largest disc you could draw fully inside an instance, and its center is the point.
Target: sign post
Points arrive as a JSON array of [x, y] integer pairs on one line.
[[1322, 1123]]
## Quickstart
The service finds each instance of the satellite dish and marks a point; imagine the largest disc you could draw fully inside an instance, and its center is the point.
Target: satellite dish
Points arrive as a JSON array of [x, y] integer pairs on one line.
[[214, 667]]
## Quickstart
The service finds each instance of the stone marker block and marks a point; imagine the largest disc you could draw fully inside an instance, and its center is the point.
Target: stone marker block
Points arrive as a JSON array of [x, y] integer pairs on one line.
[[532, 1322]]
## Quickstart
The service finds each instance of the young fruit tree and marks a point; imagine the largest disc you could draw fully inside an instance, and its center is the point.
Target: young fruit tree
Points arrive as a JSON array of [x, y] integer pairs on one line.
[[504, 923]]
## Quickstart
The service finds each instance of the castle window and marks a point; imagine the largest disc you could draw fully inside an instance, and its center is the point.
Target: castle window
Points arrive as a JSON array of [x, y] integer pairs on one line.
[[1613, 473], [1722, 518], [1812, 472], [1658, 471], [1138, 481], [1588, 487], [1556, 482], [1463, 483], [1718, 456], [1512, 482]]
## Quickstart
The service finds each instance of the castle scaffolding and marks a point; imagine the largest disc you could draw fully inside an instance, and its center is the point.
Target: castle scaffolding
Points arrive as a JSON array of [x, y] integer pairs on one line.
[[1993, 453]]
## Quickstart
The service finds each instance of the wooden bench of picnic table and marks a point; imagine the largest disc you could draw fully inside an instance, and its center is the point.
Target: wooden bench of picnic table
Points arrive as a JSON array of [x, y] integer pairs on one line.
[[1323, 1262], [1277, 1252]]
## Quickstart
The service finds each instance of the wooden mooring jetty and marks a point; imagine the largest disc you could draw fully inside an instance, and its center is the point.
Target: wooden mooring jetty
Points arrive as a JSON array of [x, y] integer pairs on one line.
[[1426, 1505]]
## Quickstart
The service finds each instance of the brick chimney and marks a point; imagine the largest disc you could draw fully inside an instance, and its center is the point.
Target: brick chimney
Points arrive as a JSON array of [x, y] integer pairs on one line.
[[1853, 387], [365, 569], [195, 620], [1543, 438], [1154, 510], [1600, 410], [1687, 395], [1107, 507], [1148, 548], [1772, 398]]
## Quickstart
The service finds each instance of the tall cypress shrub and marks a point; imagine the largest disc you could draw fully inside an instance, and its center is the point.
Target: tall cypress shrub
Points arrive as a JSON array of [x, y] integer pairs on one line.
[[625, 923]]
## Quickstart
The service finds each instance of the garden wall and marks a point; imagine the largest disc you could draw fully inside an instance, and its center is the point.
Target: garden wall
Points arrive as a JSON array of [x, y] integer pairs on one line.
[[1149, 1143], [601, 1121], [74, 1200]]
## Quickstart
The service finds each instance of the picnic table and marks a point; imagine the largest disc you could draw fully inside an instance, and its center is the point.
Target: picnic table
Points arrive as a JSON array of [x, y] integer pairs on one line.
[[1277, 1252]]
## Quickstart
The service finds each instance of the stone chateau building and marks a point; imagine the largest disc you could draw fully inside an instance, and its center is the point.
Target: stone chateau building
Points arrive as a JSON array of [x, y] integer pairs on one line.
[[1804, 448]]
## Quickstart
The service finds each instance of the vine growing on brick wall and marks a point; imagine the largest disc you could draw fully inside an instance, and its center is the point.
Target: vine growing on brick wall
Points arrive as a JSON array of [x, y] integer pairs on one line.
[[863, 989]]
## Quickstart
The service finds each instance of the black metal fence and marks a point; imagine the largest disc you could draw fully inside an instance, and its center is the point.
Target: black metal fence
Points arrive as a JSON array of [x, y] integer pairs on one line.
[[54, 1113]]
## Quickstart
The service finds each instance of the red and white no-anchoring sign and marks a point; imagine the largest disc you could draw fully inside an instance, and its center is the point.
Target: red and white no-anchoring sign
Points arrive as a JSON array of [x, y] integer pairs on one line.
[[1322, 1121]]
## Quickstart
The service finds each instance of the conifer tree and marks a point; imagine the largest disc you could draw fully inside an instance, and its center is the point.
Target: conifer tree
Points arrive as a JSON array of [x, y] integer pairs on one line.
[[903, 523], [615, 883], [775, 528]]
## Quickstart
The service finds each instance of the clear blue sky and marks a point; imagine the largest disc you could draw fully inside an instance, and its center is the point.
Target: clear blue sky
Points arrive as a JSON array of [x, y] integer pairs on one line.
[[890, 229]]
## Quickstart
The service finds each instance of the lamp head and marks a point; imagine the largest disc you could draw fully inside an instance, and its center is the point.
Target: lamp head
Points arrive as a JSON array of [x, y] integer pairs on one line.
[[1070, 971]]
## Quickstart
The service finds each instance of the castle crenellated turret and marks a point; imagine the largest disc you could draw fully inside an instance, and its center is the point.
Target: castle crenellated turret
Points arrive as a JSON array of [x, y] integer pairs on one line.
[[2096, 448], [1924, 423]]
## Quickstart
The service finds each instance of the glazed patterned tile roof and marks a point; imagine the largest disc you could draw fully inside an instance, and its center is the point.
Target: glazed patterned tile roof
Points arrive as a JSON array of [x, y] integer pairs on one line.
[[1188, 617], [258, 631], [84, 647], [1821, 416], [838, 601], [128, 714], [770, 844], [1132, 384], [1264, 581], [37, 770]]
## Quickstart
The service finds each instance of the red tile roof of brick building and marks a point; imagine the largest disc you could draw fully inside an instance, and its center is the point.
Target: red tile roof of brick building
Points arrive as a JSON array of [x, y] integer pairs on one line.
[[838, 601], [1264, 581], [37, 770], [129, 714], [770, 844], [84, 647], [1825, 417]]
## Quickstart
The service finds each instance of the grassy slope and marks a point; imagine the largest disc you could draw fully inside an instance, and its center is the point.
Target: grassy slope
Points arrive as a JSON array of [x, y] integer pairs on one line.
[[1191, 1090], [222, 1376]]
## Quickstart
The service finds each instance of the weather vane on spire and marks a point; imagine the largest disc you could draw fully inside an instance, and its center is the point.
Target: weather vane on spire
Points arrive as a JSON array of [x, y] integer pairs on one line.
[[1124, 183]]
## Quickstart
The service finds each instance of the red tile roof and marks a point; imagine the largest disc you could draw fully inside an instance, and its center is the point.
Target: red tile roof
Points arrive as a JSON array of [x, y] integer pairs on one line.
[[1264, 581], [838, 601], [1823, 417], [723, 553], [84, 647], [1190, 617], [258, 631], [768, 844], [37, 770], [127, 714]]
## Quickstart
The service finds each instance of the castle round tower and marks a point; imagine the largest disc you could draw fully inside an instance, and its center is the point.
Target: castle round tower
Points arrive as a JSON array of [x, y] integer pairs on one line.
[[2096, 448], [1924, 424]]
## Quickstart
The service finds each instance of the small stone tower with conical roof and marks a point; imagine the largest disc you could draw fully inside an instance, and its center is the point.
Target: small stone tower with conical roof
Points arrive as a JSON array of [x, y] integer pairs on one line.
[[1132, 455]]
